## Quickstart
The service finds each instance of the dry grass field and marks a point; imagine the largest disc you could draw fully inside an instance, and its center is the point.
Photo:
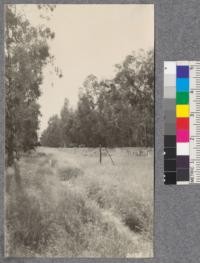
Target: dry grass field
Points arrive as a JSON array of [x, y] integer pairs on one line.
[[61, 202]]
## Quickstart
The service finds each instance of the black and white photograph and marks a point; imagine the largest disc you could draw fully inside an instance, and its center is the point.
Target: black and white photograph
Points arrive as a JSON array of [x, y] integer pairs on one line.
[[79, 130]]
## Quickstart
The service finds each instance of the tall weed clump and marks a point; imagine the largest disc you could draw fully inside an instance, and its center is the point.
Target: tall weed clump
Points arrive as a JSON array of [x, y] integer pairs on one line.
[[28, 225], [85, 231], [29, 219], [125, 200]]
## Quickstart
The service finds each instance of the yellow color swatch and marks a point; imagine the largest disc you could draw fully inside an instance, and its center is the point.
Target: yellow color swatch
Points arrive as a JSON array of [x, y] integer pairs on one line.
[[182, 111]]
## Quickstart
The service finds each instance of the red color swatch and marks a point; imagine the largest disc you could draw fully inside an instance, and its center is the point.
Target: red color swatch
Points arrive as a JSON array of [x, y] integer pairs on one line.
[[182, 123]]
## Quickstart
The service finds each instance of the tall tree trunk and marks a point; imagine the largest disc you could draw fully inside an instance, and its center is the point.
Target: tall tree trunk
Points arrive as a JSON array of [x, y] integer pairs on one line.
[[10, 149]]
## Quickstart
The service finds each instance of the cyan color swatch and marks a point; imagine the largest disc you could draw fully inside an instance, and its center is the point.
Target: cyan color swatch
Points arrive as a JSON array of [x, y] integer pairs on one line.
[[182, 84]]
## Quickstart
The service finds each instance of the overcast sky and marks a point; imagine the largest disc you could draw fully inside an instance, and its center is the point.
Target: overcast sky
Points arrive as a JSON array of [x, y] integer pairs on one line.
[[89, 39]]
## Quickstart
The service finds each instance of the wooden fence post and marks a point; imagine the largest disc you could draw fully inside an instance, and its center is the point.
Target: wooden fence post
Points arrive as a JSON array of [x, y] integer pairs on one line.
[[109, 156]]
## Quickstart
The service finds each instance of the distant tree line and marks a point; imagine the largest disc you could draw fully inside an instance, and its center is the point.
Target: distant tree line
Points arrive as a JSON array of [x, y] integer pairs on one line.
[[26, 53], [111, 112]]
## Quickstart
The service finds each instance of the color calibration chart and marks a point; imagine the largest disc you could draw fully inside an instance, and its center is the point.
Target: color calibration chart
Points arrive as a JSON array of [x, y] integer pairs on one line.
[[181, 122]]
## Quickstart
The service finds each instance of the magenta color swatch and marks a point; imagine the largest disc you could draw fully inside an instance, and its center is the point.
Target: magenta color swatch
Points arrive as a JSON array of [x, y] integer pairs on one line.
[[182, 135]]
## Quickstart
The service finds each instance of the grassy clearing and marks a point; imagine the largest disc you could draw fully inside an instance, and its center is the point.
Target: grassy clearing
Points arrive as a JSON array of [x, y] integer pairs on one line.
[[68, 205]]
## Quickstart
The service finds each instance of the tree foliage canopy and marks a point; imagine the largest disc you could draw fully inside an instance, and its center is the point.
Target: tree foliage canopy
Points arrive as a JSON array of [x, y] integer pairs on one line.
[[112, 112], [26, 53]]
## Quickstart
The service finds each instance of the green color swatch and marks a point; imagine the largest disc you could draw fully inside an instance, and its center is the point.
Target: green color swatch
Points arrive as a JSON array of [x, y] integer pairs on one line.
[[182, 97]]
